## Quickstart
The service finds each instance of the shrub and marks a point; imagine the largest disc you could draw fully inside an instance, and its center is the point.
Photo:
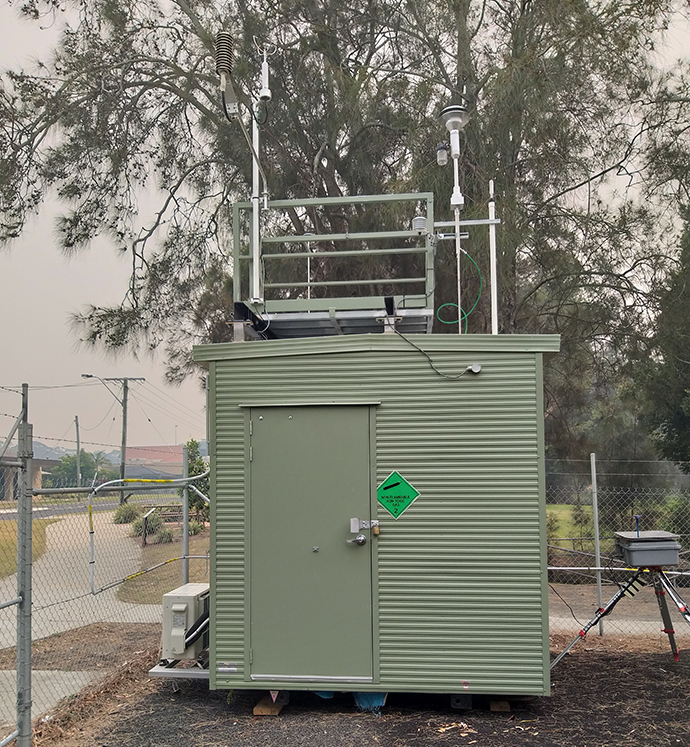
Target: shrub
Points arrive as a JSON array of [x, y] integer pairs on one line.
[[127, 513], [552, 526], [678, 517], [164, 535], [154, 523], [196, 527]]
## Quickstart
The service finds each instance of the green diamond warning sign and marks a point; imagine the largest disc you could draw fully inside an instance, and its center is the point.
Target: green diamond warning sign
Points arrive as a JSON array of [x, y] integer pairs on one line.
[[395, 494]]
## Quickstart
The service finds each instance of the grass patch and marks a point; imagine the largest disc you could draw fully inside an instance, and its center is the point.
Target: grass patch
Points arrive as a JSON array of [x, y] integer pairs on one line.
[[8, 544], [150, 587], [564, 516]]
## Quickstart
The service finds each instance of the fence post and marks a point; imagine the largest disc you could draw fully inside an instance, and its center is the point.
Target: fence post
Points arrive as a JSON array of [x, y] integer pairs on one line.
[[185, 517], [595, 520], [24, 569]]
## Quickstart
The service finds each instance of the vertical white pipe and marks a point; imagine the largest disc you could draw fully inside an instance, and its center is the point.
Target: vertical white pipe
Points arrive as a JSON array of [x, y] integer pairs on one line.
[[309, 270], [457, 256], [255, 236], [494, 265], [595, 520], [76, 425]]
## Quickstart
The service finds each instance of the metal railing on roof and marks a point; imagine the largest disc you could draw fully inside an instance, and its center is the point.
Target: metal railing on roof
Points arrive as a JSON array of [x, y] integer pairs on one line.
[[296, 300]]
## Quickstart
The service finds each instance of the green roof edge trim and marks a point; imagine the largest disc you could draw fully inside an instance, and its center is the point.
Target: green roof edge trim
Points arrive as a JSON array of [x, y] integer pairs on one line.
[[443, 343]]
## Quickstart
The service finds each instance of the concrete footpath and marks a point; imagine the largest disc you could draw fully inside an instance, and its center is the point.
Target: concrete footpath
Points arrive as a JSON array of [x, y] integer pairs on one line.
[[61, 592], [48, 689], [62, 601]]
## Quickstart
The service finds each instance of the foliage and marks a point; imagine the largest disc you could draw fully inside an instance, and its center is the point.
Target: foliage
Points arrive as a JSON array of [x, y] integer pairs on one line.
[[582, 519], [568, 114], [609, 422], [663, 372], [65, 473], [127, 513], [552, 526], [677, 517], [164, 535], [197, 466], [196, 527], [153, 524]]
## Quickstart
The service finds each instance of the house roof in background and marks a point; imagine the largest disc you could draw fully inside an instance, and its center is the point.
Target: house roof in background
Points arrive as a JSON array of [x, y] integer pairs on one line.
[[151, 454]]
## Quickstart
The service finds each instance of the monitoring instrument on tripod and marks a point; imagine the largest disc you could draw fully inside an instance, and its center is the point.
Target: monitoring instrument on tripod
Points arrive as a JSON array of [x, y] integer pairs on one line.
[[649, 552]]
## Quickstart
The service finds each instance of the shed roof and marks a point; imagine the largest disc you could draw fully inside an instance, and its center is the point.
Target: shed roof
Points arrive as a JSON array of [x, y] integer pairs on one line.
[[378, 343]]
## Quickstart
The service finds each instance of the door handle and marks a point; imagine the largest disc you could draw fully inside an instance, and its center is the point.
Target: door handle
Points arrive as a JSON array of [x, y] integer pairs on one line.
[[360, 539]]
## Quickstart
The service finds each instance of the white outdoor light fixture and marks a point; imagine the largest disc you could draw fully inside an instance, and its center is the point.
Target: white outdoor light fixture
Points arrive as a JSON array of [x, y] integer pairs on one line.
[[455, 117]]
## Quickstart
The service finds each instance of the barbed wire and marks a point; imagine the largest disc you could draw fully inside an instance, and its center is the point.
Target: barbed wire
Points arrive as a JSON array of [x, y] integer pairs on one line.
[[622, 461]]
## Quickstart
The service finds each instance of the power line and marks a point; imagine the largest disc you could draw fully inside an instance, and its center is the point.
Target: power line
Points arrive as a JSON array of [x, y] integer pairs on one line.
[[73, 441], [158, 392], [172, 403], [40, 388], [136, 399], [45, 387], [176, 415], [112, 404], [65, 433]]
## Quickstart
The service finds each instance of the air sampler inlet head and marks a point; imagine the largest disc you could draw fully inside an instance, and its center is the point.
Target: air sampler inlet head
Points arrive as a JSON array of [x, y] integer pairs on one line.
[[224, 53]]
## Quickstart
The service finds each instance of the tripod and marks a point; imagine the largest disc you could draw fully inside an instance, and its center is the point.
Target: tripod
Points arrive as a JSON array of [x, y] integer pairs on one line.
[[662, 587]]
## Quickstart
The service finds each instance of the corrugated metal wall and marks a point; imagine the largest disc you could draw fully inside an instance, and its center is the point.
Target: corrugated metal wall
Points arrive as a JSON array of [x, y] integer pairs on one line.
[[461, 574]]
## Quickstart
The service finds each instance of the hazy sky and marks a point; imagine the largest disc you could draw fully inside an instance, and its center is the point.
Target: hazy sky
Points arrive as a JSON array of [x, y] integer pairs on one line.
[[39, 289]]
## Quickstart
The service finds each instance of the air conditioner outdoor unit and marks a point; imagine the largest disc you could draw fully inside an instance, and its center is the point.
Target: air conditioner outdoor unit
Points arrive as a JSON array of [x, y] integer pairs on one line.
[[185, 622]]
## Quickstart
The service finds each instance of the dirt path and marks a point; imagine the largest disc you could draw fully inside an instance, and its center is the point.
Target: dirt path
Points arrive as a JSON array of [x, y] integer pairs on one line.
[[573, 605]]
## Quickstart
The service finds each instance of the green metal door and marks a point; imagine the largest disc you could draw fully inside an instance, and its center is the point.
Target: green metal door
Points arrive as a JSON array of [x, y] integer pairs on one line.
[[310, 589]]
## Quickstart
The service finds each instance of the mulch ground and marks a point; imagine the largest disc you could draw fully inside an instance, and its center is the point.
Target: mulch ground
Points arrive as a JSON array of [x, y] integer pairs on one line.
[[91, 647], [600, 698]]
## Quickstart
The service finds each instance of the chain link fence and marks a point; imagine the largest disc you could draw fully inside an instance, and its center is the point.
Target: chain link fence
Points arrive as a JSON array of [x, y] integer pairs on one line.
[[93, 609], [97, 604], [573, 568], [9, 491]]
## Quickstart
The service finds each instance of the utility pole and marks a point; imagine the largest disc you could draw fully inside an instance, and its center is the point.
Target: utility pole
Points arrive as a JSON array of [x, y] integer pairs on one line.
[[124, 380], [76, 425]]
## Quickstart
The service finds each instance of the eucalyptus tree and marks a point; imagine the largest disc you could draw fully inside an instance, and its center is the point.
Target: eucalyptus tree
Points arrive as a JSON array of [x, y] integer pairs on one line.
[[570, 117], [663, 369]]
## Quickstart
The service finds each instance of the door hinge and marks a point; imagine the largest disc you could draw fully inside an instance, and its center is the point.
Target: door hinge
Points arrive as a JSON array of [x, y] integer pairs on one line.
[[251, 427], [251, 656], [251, 453]]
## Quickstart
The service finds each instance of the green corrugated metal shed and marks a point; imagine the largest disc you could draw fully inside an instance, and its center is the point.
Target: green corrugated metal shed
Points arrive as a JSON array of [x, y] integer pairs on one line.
[[451, 596]]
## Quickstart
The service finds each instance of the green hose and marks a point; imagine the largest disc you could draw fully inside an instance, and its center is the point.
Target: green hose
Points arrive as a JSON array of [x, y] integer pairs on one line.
[[462, 314]]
